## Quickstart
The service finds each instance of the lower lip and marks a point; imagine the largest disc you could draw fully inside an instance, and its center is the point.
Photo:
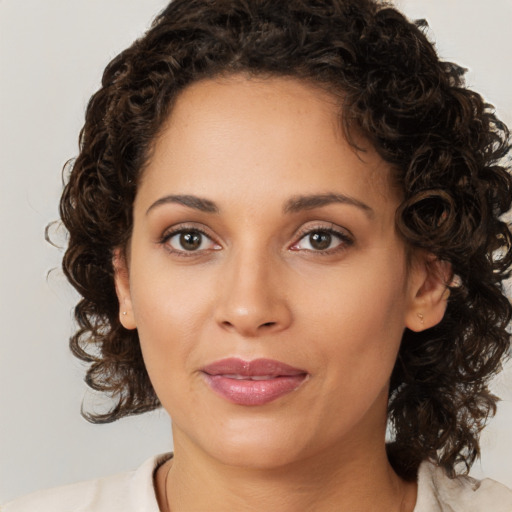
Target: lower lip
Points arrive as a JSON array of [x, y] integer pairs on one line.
[[253, 392]]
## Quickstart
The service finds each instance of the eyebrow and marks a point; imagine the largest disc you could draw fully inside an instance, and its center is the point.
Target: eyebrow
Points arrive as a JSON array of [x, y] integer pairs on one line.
[[294, 205], [309, 202], [197, 203]]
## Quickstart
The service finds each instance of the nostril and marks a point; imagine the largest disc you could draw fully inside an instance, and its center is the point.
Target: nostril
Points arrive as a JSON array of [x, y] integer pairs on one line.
[[268, 324]]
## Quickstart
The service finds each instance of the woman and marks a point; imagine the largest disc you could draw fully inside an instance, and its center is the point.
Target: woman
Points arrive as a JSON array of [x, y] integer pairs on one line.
[[284, 222]]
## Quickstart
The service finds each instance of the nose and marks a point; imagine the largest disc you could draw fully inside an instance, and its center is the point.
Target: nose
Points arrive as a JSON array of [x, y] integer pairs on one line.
[[252, 297]]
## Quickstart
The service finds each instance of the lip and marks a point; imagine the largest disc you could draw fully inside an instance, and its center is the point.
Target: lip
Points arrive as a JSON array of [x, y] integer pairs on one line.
[[255, 382]]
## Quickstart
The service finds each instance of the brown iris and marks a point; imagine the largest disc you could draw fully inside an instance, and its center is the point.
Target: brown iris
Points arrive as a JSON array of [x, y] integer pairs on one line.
[[320, 240], [191, 240]]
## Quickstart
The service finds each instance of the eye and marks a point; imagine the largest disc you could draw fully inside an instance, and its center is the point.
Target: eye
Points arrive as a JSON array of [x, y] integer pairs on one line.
[[189, 241], [322, 240]]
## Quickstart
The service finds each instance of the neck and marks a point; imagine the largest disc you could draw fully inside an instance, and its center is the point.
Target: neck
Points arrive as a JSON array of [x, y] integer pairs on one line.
[[342, 479]]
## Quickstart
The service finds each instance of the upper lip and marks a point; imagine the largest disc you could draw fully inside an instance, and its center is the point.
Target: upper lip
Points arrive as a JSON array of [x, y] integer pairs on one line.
[[254, 368]]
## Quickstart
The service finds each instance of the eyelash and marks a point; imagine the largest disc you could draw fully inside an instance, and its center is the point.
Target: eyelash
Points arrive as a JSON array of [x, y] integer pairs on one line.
[[345, 240], [167, 236]]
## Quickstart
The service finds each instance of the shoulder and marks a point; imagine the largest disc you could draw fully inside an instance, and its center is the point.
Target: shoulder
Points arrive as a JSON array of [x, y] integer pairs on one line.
[[125, 492], [438, 493]]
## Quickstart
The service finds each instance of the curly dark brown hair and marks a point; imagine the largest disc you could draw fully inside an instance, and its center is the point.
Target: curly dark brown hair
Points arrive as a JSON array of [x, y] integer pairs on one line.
[[446, 146]]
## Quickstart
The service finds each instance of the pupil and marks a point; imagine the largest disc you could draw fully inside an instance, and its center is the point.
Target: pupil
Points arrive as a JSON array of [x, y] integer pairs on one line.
[[320, 240], [190, 241]]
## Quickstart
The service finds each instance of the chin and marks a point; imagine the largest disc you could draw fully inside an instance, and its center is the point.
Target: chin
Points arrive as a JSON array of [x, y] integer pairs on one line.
[[257, 456], [260, 445]]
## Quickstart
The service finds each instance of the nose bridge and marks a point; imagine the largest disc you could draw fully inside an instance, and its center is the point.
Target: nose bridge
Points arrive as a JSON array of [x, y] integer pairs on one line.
[[252, 301]]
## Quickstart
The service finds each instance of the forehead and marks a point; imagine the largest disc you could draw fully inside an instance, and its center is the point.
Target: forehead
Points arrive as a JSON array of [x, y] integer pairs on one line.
[[261, 137]]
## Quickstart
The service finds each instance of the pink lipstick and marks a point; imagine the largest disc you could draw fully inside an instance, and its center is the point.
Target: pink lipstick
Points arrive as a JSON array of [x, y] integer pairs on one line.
[[254, 382]]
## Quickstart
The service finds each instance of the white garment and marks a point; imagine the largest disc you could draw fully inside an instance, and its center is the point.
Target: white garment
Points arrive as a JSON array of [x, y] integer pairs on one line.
[[134, 492]]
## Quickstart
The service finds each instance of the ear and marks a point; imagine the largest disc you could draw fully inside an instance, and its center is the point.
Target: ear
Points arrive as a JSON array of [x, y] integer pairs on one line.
[[122, 283], [428, 292]]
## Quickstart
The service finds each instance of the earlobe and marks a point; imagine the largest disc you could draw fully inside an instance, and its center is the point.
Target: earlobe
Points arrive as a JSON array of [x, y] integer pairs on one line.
[[429, 293], [122, 284]]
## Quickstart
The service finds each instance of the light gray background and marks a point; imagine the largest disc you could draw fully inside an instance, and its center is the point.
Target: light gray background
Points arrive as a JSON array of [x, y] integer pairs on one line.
[[52, 53]]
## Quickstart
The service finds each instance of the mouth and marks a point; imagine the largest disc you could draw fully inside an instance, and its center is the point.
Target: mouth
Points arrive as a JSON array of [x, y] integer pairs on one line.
[[255, 382]]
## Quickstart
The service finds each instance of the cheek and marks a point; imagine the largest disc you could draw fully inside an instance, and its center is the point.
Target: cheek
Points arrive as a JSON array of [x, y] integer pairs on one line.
[[169, 297], [357, 322], [356, 341], [170, 310]]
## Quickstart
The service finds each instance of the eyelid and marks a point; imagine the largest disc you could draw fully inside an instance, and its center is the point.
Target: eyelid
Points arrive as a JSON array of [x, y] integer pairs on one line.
[[344, 235], [324, 226], [172, 231]]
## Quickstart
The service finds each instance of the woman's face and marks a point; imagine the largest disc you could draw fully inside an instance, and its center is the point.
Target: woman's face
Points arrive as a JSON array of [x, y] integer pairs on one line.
[[260, 233]]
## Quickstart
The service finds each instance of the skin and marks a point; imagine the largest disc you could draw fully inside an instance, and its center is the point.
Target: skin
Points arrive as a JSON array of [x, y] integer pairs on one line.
[[258, 287]]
